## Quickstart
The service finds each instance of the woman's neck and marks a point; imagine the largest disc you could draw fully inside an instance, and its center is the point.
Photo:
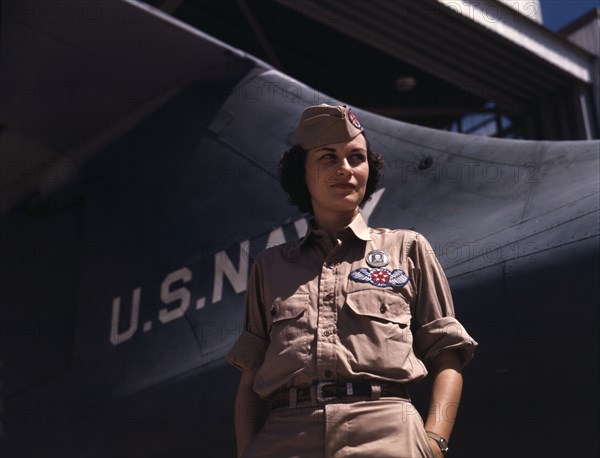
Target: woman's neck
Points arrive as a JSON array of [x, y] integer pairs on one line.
[[333, 222]]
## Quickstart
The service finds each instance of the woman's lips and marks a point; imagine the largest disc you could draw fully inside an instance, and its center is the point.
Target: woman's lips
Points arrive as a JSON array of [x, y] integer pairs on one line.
[[343, 186]]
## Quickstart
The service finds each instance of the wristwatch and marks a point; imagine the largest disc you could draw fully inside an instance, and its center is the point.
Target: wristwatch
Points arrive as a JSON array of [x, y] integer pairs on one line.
[[442, 443]]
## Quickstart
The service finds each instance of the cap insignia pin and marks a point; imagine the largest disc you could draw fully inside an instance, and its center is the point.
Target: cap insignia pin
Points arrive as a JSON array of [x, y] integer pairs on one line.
[[353, 119]]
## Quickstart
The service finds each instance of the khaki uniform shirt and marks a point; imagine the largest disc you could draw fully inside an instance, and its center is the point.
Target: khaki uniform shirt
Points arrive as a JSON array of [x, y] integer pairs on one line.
[[308, 321]]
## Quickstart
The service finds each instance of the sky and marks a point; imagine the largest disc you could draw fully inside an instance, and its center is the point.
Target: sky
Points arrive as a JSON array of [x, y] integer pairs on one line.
[[558, 13]]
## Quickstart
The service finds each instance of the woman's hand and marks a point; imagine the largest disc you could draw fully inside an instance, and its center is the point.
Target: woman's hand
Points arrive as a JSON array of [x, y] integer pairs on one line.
[[436, 448]]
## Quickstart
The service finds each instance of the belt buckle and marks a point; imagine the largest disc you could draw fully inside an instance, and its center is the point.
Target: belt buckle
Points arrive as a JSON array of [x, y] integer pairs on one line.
[[320, 397]]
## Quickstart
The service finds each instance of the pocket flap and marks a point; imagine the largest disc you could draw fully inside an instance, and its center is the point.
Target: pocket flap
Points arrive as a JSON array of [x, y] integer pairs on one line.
[[290, 307], [381, 305]]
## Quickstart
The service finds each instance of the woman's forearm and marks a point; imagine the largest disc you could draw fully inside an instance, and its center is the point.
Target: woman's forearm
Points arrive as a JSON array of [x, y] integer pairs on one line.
[[445, 395], [249, 412]]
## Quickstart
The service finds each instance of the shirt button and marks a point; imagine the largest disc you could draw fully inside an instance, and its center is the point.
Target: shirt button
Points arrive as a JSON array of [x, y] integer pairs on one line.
[[329, 297], [383, 308], [327, 333], [328, 374]]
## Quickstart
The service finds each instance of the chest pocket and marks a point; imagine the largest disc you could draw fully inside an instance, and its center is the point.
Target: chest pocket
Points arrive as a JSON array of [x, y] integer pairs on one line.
[[374, 326], [288, 348]]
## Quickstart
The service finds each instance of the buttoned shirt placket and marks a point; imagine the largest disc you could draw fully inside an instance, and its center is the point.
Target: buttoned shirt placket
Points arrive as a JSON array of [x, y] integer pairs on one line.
[[327, 309]]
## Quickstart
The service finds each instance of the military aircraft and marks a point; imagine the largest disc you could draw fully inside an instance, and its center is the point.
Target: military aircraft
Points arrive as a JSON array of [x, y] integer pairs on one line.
[[125, 258]]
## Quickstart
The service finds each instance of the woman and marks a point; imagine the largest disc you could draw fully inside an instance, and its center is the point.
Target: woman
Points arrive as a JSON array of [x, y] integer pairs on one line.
[[339, 322]]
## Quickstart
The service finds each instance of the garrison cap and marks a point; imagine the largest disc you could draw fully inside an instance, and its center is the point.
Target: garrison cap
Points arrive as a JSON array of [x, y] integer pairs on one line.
[[325, 124]]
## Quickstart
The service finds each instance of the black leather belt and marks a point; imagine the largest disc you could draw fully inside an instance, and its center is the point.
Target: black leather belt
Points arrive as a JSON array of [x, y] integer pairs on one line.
[[325, 392]]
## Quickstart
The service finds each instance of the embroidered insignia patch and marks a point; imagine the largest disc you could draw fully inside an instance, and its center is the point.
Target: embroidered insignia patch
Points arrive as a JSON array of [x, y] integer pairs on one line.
[[379, 277], [353, 120], [377, 258]]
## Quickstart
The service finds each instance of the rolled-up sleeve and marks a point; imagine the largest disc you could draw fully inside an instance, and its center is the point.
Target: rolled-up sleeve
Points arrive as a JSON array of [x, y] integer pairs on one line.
[[435, 327], [248, 351]]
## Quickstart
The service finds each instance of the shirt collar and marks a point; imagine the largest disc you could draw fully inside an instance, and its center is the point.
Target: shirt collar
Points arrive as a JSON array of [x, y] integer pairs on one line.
[[357, 226], [360, 228]]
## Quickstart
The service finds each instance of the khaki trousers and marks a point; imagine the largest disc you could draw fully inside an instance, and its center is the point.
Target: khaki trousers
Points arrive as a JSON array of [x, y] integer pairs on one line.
[[384, 428]]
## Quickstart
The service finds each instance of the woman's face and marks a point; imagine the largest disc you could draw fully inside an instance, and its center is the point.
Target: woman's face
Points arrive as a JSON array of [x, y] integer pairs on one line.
[[336, 175]]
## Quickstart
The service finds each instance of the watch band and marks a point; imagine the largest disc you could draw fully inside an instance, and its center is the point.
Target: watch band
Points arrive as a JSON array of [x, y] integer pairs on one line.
[[442, 443]]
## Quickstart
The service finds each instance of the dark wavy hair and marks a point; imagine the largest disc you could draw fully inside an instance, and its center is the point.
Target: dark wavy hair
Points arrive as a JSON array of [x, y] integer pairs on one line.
[[292, 172]]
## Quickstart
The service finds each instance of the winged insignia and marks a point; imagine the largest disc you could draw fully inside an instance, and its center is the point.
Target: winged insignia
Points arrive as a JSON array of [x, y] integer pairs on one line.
[[398, 278], [379, 277], [362, 275]]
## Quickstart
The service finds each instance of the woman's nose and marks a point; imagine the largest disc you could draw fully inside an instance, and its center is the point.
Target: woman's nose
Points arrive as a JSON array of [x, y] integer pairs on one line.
[[344, 166]]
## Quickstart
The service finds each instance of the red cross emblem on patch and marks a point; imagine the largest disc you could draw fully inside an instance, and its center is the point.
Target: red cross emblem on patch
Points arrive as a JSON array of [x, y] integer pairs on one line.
[[380, 276], [353, 119]]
